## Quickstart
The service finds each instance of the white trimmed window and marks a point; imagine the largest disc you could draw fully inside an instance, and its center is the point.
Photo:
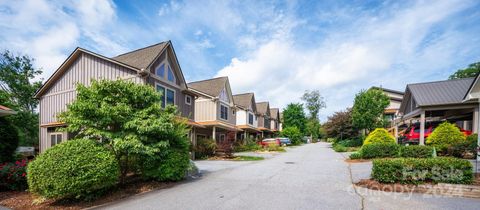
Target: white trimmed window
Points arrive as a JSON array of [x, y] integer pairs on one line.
[[55, 138], [223, 112], [168, 95], [188, 99], [250, 118]]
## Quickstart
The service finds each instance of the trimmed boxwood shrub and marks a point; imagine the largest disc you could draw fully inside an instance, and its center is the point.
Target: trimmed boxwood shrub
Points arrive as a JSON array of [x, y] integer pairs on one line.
[[9, 142], [171, 165], [77, 169], [415, 151], [444, 136], [379, 135], [379, 150], [420, 170], [356, 155], [466, 149]]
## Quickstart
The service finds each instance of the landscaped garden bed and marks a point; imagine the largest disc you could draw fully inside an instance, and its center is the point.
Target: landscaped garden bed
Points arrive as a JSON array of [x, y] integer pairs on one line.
[[26, 200]]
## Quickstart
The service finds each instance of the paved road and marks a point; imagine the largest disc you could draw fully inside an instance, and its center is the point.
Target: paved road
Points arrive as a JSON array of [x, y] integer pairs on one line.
[[306, 177]]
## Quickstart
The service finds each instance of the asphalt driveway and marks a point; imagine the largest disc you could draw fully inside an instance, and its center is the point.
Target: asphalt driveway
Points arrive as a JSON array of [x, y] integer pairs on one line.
[[312, 176]]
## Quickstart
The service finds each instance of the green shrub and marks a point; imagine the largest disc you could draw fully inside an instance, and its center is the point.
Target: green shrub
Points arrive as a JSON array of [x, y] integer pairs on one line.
[[379, 135], [339, 148], [13, 175], [251, 146], [355, 142], [294, 134], [419, 170], [205, 148], [274, 148], [415, 151], [444, 136], [171, 165], [466, 149], [379, 150], [73, 169], [9, 142], [356, 155]]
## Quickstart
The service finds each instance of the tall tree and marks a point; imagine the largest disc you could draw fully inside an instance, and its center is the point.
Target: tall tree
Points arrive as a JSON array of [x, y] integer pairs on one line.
[[314, 102], [340, 126], [471, 71], [17, 91], [368, 108], [294, 116]]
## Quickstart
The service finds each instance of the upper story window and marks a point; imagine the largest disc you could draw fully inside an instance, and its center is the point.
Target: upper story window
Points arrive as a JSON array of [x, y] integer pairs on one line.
[[170, 75], [223, 96], [188, 100], [223, 112], [160, 71], [165, 71], [250, 119], [168, 95]]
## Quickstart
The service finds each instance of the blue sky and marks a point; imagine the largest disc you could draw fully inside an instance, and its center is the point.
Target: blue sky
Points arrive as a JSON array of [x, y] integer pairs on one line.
[[275, 49]]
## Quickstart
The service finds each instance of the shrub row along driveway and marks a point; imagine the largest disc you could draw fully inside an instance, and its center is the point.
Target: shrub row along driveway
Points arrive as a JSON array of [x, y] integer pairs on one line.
[[306, 177]]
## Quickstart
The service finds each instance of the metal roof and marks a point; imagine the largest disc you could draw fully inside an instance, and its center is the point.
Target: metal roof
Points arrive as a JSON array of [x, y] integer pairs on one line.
[[440, 92]]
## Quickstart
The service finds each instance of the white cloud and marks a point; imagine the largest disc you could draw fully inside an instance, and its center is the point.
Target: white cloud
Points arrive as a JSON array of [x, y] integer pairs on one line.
[[280, 69], [49, 31]]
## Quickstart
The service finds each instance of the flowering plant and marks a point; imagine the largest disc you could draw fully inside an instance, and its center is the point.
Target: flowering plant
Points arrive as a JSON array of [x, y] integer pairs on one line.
[[13, 175]]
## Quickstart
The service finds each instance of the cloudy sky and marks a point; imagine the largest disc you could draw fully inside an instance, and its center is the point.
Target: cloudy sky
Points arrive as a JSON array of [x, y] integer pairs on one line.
[[278, 50]]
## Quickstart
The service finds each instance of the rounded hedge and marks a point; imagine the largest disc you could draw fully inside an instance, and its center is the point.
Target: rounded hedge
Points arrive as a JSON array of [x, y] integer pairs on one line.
[[73, 169], [379, 135], [172, 165], [9, 142], [445, 136]]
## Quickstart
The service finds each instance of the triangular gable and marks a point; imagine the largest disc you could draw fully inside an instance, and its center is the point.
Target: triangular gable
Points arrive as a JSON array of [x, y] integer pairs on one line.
[[71, 60]]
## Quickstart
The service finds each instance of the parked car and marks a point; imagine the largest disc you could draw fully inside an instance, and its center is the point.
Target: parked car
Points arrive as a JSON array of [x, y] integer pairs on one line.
[[285, 141], [270, 141], [412, 133]]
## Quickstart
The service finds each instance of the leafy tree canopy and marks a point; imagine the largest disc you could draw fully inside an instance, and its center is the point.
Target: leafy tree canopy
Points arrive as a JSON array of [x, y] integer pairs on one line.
[[17, 91], [340, 126], [128, 118], [314, 102], [294, 116], [471, 71], [368, 108]]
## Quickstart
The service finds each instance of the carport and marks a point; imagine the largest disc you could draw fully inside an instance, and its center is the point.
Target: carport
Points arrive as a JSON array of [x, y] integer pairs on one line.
[[439, 101]]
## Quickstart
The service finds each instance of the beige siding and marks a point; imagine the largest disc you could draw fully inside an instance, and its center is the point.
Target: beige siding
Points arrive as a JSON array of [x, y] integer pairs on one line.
[[260, 121], [231, 117], [205, 110], [85, 68]]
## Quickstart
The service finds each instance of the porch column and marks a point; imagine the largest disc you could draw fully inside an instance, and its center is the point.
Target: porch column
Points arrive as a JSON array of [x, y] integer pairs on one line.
[[214, 133], [244, 134], [422, 128], [475, 121], [395, 131]]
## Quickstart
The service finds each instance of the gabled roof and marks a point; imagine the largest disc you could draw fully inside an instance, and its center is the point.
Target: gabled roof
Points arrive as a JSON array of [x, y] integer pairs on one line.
[[212, 87], [467, 96], [142, 58], [274, 113], [6, 111], [263, 107], [438, 92], [244, 100], [388, 90]]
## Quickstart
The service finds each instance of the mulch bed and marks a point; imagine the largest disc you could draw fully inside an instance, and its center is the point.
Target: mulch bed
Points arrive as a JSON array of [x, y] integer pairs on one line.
[[25, 200]]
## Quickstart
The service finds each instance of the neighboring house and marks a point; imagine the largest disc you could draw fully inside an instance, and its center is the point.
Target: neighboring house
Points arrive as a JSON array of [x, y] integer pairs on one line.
[[247, 119], [155, 65], [215, 109], [396, 97], [441, 100], [5, 111], [275, 120], [263, 111], [280, 122]]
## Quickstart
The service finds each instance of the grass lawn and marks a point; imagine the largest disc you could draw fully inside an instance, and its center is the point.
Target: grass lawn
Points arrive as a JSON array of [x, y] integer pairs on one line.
[[247, 158]]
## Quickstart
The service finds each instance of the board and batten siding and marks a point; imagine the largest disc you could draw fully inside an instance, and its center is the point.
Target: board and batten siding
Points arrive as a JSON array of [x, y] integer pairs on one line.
[[85, 68], [242, 117], [205, 110], [231, 119]]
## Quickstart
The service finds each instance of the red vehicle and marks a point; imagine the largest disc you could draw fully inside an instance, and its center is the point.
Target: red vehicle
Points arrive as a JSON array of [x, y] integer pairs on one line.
[[270, 141], [412, 133]]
